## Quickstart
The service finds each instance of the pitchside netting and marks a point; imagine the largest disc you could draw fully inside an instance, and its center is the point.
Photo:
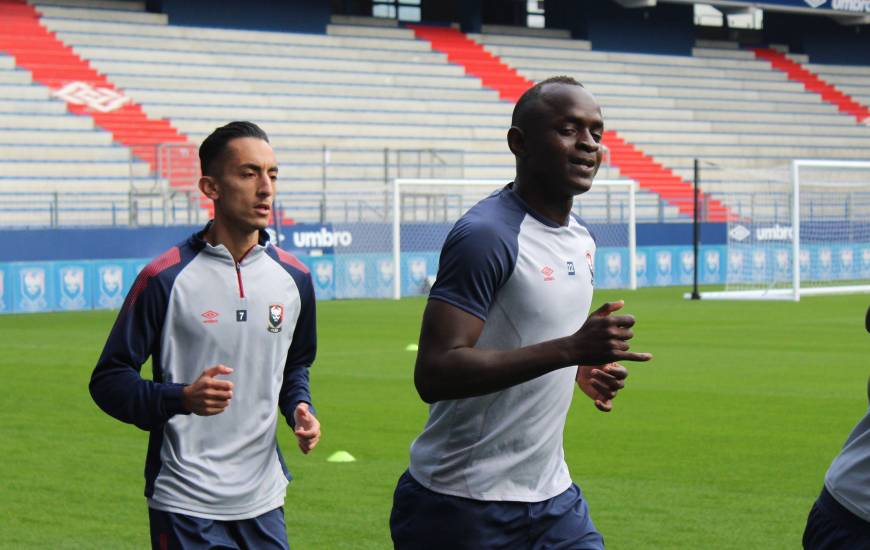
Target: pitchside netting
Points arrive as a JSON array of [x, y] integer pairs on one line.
[[822, 246], [426, 210]]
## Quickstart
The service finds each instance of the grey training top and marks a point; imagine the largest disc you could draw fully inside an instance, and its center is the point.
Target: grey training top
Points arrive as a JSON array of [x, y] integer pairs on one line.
[[190, 309], [529, 280], [848, 478]]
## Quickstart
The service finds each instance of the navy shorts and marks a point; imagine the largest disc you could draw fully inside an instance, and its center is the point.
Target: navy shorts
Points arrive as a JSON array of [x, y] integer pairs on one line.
[[170, 531], [830, 526], [423, 519]]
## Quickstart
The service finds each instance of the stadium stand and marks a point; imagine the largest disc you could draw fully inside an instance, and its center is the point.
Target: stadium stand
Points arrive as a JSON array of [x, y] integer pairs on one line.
[[382, 102], [95, 146], [369, 101], [627, 158], [720, 104]]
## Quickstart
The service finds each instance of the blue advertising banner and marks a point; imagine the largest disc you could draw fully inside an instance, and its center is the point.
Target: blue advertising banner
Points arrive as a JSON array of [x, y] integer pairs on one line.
[[74, 282], [5, 290], [323, 274], [858, 7], [101, 284], [34, 286], [111, 244], [611, 268], [850, 6], [111, 284]]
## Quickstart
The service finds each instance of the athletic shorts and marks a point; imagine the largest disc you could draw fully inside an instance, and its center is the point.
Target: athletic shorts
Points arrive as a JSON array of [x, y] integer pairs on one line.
[[170, 531], [422, 519], [830, 526]]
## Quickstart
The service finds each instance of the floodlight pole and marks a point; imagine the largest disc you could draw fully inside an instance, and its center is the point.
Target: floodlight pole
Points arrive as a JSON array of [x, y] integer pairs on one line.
[[696, 233]]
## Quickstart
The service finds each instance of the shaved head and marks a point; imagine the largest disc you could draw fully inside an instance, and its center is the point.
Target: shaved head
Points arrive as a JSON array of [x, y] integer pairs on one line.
[[532, 100]]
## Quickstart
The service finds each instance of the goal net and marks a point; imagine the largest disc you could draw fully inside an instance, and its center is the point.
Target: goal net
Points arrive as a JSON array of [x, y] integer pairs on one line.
[[426, 209], [804, 230]]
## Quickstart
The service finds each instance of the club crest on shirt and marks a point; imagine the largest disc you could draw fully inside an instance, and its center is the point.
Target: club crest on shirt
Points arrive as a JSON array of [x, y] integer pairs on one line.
[[276, 317], [590, 261]]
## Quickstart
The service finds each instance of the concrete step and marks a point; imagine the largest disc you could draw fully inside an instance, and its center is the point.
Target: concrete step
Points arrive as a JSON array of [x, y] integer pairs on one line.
[[24, 91], [316, 116], [113, 15], [117, 5], [370, 32], [319, 51], [273, 61], [11, 106], [11, 169], [45, 122], [50, 153], [284, 102], [276, 77], [236, 38], [51, 137], [382, 91]]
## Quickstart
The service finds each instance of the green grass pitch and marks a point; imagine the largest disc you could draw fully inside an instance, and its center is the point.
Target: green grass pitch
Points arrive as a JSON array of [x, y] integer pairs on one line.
[[721, 442]]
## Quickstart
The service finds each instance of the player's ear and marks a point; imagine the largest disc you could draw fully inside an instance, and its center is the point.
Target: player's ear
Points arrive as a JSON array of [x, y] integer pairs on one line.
[[209, 188], [516, 141]]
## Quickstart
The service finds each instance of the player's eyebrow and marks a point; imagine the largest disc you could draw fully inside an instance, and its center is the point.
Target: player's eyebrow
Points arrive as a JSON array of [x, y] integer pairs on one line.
[[580, 121], [257, 167]]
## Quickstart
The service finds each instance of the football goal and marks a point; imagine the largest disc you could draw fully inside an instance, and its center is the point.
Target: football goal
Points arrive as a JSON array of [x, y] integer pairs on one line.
[[807, 233]]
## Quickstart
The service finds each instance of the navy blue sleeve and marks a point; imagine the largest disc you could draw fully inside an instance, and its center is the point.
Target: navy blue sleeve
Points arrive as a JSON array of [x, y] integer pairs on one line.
[[116, 384], [588, 228], [300, 356], [478, 257]]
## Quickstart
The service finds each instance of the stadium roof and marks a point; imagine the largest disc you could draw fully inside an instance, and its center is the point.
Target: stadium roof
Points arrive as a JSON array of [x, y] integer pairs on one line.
[[850, 12]]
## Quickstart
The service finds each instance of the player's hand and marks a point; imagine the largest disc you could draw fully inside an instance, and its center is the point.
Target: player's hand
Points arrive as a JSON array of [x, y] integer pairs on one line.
[[601, 384], [603, 338], [307, 428], [207, 395]]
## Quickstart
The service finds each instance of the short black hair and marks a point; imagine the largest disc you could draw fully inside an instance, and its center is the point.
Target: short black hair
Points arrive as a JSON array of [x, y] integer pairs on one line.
[[214, 145], [533, 94]]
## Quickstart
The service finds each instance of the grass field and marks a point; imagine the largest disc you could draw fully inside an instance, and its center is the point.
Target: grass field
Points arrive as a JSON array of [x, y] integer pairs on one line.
[[721, 442]]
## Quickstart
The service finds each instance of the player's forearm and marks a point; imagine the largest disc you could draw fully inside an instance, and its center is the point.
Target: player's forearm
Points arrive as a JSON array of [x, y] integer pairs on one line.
[[294, 390], [468, 372], [123, 394]]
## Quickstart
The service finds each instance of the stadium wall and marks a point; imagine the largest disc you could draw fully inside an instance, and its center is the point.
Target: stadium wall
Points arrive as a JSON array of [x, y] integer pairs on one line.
[[822, 39], [303, 16], [664, 29]]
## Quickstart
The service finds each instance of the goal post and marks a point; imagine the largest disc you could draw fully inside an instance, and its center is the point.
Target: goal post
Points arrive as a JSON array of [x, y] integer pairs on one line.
[[424, 210], [809, 237]]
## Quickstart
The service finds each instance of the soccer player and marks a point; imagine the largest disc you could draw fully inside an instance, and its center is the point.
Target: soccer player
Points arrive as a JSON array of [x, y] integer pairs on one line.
[[229, 323], [840, 517], [502, 336]]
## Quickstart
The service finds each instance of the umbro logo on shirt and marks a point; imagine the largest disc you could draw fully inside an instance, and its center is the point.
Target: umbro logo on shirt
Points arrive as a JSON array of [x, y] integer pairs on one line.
[[210, 317], [547, 271]]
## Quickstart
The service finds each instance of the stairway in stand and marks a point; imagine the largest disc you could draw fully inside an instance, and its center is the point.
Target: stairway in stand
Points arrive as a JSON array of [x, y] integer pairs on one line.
[[631, 161], [811, 81]]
